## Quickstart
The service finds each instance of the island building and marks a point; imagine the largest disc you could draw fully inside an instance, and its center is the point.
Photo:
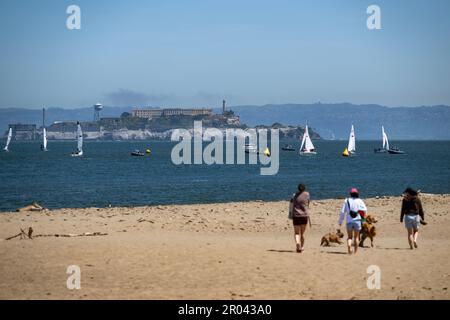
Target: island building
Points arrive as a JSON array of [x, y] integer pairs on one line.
[[23, 131], [170, 112]]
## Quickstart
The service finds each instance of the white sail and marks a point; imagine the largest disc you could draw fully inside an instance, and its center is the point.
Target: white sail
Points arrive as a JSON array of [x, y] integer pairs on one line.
[[307, 145], [8, 140], [303, 143], [385, 139], [44, 141], [352, 141], [80, 138]]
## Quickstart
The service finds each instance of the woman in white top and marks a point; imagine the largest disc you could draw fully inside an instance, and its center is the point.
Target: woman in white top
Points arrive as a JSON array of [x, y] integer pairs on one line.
[[353, 210]]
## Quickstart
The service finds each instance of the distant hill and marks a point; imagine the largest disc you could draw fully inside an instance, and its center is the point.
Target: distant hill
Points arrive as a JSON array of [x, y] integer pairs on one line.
[[329, 120], [334, 120]]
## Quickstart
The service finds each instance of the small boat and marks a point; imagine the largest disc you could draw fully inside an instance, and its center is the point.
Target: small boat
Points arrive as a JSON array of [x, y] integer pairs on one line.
[[8, 140], [351, 148], [79, 151], [395, 150], [137, 153], [288, 147], [253, 149], [307, 147], [44, 132], [250, 148], [148, 151]]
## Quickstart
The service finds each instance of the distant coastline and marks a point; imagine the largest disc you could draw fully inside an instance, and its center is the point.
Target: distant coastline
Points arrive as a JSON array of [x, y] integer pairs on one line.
[[330, 120]]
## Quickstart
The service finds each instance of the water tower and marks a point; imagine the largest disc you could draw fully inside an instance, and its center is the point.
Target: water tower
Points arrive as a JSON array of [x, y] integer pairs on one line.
[[97, 108]]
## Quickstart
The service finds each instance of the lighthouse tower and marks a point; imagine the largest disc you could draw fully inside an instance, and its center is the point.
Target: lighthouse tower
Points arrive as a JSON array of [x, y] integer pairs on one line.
[[224, 106]]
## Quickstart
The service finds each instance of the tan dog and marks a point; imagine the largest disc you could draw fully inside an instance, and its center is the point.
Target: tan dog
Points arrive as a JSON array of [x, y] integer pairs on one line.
[[368, 230], [32, 207], [332, 237]]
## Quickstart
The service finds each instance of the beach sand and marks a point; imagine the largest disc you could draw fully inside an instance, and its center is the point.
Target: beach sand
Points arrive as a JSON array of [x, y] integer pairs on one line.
[[239, 250]]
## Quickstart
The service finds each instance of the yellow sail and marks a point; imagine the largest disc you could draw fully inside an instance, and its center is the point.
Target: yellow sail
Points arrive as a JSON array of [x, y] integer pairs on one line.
[[267, 152], [345, 153]]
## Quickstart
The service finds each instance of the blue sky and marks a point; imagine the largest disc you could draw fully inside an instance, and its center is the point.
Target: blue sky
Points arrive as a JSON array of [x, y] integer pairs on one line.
[[194, 53]]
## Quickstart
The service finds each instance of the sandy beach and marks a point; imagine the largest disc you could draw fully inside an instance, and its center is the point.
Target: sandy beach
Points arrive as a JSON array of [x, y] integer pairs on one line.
[[221, 251]]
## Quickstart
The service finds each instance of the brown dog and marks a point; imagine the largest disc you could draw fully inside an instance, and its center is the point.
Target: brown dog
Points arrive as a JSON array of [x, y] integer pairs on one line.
[[332, 237], [368, 230]]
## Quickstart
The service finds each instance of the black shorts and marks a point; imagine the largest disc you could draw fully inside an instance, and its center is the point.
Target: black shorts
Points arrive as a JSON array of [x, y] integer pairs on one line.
[[298, 221]]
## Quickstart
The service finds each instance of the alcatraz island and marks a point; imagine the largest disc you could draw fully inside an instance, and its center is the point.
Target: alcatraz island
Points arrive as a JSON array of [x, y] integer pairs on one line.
[[146, 124]]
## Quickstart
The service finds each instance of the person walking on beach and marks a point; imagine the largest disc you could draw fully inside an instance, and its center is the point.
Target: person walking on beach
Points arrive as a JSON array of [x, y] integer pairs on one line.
[[353, 210], [412, 213], [300, 216]]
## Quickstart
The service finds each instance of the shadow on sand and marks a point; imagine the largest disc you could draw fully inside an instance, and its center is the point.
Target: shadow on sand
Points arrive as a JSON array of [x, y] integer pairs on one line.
[[335, 252], [282, 251], [393, 248]]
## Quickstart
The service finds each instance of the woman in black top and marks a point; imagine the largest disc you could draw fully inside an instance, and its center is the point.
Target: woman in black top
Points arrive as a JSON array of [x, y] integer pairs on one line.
[[412, 213], [300, 216]]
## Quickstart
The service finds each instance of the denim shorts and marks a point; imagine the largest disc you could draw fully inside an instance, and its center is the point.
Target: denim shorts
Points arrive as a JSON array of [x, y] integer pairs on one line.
[[354, 225], [412, 221]]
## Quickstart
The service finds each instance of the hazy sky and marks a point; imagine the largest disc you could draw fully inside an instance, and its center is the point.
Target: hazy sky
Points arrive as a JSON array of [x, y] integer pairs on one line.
[[194, 53]]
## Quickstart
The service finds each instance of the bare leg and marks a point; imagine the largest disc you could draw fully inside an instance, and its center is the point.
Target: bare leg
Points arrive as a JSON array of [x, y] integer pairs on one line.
[[349, 240], [415, 235], [297, 237], [356, 240], [410, 238], [302, 236]]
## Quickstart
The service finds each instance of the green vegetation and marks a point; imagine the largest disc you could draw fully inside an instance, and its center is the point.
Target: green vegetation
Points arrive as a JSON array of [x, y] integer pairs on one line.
[[162, 123]]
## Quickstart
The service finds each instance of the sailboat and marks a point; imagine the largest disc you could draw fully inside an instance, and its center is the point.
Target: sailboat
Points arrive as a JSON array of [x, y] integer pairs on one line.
[[307, 147], [385, 147], [44, 132], [79, 151], [351, 148], [8, 140], [44, 140]]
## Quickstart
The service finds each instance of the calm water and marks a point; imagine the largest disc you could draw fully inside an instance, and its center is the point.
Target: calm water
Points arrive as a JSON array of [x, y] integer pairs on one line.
[[107, 174]]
